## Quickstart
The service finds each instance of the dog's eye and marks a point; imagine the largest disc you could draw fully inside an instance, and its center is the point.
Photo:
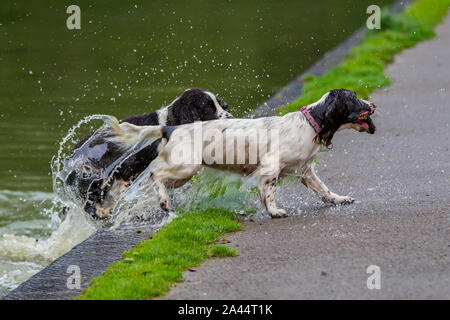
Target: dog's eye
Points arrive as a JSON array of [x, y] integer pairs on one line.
[[210, 108], [363, 116]]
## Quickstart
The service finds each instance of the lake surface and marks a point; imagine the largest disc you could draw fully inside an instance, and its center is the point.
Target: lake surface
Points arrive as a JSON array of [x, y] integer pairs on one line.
[[132, 58]]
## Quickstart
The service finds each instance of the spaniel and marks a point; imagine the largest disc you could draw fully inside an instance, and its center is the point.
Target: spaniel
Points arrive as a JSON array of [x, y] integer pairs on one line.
[[266, 148], [97, 171]]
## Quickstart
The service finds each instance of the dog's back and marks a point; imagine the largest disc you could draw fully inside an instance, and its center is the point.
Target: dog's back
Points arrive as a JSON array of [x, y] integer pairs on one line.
[[96, 160]]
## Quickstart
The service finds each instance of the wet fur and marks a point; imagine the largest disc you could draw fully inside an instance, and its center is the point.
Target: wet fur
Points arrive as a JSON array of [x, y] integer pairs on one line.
[[298, 145], [95, 151]]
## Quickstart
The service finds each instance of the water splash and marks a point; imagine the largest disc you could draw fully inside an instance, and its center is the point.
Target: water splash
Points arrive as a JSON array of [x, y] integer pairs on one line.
[[58, 164], [25, 250], [22, 255], [208, 189]]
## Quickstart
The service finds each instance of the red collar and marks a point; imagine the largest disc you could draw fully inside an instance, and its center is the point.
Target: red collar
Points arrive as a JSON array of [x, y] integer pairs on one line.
[[310, 119]]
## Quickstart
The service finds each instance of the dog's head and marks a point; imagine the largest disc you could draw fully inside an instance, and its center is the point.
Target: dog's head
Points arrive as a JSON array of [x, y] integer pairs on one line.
[[198, 105], [341, 109]]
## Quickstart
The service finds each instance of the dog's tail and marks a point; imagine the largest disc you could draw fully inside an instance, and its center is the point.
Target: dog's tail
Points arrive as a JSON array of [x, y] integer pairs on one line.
[[126, 135]]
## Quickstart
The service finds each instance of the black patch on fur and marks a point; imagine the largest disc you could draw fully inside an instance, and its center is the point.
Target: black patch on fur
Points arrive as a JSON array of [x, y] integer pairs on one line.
[[340, 107], [138, 162], [193, 105], [149, 119], [167, 131]]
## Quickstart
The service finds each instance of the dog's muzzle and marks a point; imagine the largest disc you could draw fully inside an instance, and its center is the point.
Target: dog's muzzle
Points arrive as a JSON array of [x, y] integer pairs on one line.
[[372, 107], [365, 122]]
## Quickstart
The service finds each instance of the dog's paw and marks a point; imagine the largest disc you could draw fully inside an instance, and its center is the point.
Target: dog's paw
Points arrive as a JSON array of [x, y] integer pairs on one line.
[[165, 205], [339, 200], [279, 213], [346, 200], [172, 215]]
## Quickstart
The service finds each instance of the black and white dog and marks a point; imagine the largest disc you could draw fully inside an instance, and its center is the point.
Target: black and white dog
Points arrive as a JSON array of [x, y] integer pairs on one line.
[[97, 171], [291, 151]]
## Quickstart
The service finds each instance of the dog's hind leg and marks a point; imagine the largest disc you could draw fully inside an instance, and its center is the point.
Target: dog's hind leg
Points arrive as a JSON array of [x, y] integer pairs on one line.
[[157, 178], [175, 177], [267, 185], [312, 181]]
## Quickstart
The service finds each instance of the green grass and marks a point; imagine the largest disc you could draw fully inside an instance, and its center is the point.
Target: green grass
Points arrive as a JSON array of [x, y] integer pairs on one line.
[[149, 270], [362, 69], [221, 251]]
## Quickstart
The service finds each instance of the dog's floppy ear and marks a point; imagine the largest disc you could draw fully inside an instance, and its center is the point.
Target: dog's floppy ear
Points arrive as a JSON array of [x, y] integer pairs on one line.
[[188, 114], [187, 108], [332, 117], [184, 112]]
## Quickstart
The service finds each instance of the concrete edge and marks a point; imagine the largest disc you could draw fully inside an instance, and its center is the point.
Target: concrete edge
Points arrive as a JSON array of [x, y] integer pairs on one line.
[[92, 257]]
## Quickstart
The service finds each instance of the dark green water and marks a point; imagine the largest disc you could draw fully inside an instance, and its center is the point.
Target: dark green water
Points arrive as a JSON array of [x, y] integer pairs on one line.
[[135, 57], [131, 58]]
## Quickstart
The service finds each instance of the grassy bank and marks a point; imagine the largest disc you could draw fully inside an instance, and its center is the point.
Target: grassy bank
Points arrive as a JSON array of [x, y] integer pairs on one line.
[[153, 266], [149, 269], [362, 69]]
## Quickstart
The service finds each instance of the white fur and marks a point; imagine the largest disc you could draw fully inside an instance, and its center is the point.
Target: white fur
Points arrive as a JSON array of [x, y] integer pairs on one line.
[[162, 115], [296, 150], [221, 114], [320, 101]]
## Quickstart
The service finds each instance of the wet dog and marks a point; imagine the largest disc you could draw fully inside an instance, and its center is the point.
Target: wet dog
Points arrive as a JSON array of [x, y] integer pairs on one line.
[[98, 172], [291, 151]]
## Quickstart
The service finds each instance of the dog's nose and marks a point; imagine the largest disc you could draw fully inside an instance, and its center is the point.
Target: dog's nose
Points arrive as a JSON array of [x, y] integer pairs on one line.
[[229, 116]]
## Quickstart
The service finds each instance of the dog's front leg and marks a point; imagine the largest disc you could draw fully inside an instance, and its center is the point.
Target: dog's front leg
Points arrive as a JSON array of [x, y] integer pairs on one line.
[[267, 185], [312, 181], [161, 191], [174, 176]]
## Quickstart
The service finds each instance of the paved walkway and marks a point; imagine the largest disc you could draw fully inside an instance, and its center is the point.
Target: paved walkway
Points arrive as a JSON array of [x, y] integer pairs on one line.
[[400, 176]]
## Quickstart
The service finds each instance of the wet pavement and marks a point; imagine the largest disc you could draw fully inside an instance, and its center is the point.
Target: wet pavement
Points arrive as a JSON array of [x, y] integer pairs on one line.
[[401, 179]]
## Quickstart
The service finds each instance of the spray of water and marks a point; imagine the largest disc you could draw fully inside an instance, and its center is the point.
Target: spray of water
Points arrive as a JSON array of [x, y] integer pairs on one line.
[[59, 165], [21, 256]]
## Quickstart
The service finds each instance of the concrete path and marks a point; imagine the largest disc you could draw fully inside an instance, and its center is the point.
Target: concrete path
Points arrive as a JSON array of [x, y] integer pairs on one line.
[[401, 179]]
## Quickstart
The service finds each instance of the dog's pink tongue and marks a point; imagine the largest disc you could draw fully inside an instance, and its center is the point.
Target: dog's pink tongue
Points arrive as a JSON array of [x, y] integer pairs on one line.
[[364, 125]]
